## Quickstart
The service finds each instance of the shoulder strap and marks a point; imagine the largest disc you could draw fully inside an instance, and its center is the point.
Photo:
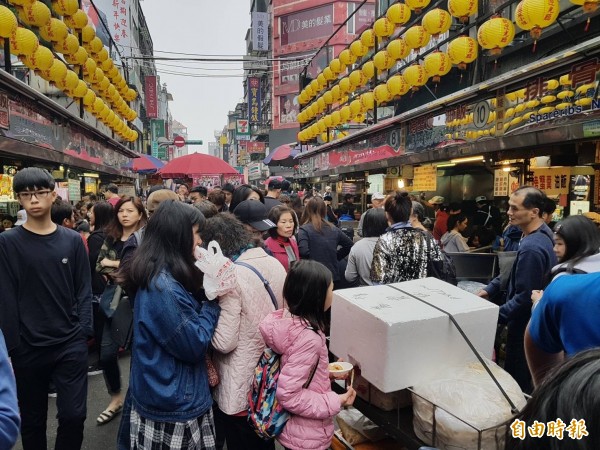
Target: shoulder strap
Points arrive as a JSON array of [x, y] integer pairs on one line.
[[263, 279], [312, 374]]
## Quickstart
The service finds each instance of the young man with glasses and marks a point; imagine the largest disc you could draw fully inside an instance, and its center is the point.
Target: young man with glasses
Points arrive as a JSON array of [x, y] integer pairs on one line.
[[46, 314]]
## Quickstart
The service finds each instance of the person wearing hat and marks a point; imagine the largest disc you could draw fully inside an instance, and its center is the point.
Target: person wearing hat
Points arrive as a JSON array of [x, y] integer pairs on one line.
[[440, 226], [487, 216], [21, 217], [237, 340], [377, 201], [273, 193]]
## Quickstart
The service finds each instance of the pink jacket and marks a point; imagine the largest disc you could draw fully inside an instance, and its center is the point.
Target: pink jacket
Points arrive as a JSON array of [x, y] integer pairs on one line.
[[280, 253], [311, 424]]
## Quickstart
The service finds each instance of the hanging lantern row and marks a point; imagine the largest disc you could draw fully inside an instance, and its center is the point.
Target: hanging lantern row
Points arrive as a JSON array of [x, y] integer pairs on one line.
[[25, 44]]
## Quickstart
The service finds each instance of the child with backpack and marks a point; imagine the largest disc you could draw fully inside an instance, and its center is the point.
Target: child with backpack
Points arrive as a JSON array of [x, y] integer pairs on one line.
[[296, 333]]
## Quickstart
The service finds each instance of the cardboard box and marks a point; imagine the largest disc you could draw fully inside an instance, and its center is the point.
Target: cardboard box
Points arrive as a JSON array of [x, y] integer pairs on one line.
[[398, 340]]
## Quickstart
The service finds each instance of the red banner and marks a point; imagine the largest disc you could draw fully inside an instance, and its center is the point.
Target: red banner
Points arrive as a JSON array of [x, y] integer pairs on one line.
[[151, 97], [255, 147]]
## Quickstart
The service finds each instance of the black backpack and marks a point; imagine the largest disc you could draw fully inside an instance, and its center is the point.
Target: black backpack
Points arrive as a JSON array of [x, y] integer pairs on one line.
[[442, 270]]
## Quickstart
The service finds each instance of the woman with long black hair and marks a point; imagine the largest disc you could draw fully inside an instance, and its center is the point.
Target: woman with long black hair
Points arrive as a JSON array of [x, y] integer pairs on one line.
[[173, 326]]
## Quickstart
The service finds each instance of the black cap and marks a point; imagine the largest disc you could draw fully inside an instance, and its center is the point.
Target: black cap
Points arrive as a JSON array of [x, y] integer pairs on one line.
[[275, 184], [254, 213]]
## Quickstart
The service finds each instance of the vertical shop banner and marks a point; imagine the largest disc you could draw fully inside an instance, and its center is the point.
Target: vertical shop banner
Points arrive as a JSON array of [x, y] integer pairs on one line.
[[4, 113], [157, 130], [254, 113], [307, 25], [260, 31], [115, 14], [151, 97]]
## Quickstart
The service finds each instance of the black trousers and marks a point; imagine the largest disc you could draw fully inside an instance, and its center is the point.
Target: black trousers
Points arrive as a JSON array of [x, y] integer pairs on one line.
[[237, 433], [66, 365], [109, 359], [516, 361]]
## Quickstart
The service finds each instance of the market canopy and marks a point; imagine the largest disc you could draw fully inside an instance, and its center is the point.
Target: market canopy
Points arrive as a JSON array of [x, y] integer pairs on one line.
[[144, 164], [282, 153], [196, 164]]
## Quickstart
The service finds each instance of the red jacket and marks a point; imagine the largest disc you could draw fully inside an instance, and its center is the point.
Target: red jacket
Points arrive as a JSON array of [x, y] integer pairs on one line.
[[279, 252], [441, 224]]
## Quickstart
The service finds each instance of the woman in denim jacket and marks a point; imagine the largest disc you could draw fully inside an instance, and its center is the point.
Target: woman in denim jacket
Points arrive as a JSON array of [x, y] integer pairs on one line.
[[169, 384]]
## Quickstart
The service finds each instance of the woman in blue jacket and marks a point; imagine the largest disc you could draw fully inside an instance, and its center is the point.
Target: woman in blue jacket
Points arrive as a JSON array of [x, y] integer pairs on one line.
[[172, 328]]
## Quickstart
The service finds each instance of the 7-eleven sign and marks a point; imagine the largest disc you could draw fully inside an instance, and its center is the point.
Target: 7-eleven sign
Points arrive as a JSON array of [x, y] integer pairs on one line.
[[242, 126]]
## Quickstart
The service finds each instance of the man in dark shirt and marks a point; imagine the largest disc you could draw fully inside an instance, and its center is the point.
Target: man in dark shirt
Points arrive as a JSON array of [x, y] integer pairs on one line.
[[273, 193], [46, 314]]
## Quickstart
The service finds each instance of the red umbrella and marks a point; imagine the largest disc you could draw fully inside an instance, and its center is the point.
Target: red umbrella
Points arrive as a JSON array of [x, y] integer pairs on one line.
[[196, 164]]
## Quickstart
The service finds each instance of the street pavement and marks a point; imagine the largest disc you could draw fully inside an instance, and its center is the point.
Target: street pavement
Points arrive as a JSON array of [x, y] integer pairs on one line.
[[95, 437]]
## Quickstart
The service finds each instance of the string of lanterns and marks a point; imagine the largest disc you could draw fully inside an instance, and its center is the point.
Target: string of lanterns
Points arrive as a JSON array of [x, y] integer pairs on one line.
[[493, 35], [103, 90]]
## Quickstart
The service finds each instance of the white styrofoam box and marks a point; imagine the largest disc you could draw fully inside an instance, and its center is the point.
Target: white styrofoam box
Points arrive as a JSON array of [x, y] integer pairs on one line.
[[399, 341]]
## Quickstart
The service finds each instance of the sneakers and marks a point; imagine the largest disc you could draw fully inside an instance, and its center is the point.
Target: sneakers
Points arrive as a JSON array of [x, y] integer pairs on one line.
[[94, 369], [52, 391]]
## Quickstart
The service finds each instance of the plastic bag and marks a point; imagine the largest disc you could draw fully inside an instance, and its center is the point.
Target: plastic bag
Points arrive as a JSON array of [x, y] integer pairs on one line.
[[219, 271], [357, 428], [468, 393]]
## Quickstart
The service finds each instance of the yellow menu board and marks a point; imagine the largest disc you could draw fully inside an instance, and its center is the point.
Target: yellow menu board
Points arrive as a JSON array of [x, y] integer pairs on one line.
[[425, 178]]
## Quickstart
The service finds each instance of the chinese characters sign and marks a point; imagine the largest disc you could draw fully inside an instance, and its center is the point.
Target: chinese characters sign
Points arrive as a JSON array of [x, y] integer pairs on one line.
[[553, 181], [425, 178], [4, 114], [260, 31], [254, 113], [307, 25], [157, 129], [151, 99], [364, 17], [255, 147], [115, 13]]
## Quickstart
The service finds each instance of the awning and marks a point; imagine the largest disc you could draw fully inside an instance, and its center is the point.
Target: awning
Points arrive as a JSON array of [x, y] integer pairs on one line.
[[196, 164]]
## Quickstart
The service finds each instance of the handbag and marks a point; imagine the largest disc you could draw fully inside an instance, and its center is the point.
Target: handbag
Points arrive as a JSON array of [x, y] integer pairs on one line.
[[121, 327], [110, 299], [211, 371]]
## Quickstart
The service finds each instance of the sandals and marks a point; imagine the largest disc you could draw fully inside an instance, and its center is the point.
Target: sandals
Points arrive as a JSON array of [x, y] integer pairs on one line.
[[108, 414]]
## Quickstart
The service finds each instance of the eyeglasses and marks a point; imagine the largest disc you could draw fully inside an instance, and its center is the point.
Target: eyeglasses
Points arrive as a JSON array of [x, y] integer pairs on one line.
[[38, 194]]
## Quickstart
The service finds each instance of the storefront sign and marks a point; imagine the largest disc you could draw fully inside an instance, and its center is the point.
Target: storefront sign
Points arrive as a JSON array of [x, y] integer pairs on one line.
[[424, 133], [500, 183], [242, 126], [90, 185], [74, 190], [115, 14], [364, 18], [207, 181], [151, 97], [255, 147], [553, 181], [307, 25], [254, 106], [236, 180], [4, 114], [591, 129], [260, 31], [425, 178], [157, 130]]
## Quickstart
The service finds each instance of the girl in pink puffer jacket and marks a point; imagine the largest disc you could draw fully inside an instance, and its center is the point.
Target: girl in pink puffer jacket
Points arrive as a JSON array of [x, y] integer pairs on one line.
[[296, 333]]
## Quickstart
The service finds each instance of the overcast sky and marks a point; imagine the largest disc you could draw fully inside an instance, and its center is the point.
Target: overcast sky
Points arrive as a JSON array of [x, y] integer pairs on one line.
[[207, 28]]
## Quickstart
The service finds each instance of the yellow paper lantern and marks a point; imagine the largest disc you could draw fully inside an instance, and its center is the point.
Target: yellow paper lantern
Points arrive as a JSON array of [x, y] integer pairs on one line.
[[110, 90], [345, 114], [314, 85], [89, 66], [71, 80], [131, 95], [355, 107], [382, 94], [347, 57], [335, 118], [383, 27], [495, 34], [327, 121], [383, 61], [68, 46], [328, 98], [94, 46], [345, 85], [77, 20], [417, 5], [21, 2], [328, 74], [398, 13], [41, 59], [88, 33], [23, 42], [358, 49], [78, 58], [397, 85], [368, 70], [540, 14], [321, 125], [54, 31], [521, 18], [462, 51], [367, 38], [437, 64], [98, 105], [8, 22], [367, 101], [416, 37], [398, 49], [436, 22], [102, 55], [58, 71], [589, 6], [336, 93], [89, 98], [321, 105], [108, 65], [462, 9], [65, 7], [415, 76], [133, 136], [357, 78], [324, 137], [36, 14], [321, 82], [336, 66]]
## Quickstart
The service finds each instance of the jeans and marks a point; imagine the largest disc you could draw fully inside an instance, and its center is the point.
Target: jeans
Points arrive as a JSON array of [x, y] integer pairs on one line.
[[66, 365], [238, 433], [109, 360]]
